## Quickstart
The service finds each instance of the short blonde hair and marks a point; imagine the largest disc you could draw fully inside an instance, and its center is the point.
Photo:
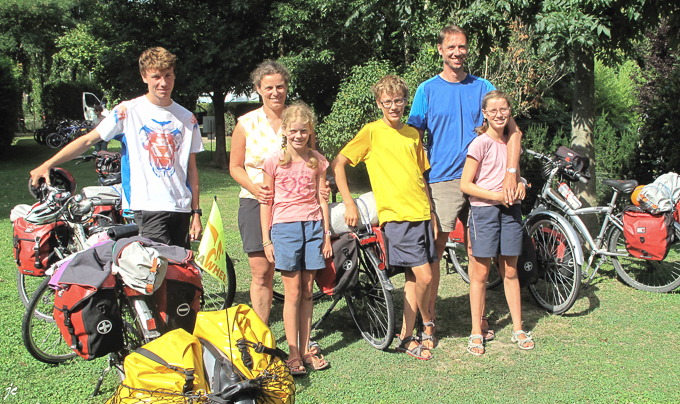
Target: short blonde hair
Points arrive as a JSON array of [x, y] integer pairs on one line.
[[389, 84], [156, 59], [298, 112]]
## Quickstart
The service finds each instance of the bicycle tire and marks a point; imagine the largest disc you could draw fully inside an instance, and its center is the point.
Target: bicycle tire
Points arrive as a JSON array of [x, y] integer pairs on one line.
[[41, 336], [54, 140], [559, 279], [370, 304], [26, 286], [650, 276], [456, 257], [217, 296]]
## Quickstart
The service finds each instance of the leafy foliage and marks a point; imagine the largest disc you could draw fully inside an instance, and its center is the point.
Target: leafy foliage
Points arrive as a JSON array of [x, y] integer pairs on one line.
[[10, 103], [62, 99], [354, 107], [659, 99]]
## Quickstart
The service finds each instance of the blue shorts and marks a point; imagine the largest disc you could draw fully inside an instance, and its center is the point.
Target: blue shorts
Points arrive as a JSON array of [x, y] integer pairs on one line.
[[297, 246], [410, 244], [495, 230]]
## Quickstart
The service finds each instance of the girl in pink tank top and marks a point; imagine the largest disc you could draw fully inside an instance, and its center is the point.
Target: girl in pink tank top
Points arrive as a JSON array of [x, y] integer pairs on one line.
[[295, 229]]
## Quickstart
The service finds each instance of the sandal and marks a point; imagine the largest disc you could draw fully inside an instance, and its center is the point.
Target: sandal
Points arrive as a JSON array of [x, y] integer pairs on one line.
[[314, 348], [423, 336], [524, 344], [316, 362], [488, 334], [297, 364], [472, 345], [416, 352]]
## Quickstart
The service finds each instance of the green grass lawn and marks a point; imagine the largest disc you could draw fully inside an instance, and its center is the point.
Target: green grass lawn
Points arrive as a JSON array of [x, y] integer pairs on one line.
[[616, 344]]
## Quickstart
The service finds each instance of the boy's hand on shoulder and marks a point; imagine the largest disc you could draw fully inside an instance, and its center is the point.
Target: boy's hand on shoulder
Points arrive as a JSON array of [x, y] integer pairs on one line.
[[351, 214], [269, 252]]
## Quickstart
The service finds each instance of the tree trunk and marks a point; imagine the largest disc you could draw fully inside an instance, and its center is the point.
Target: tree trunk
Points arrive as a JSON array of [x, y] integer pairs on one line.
[[220, 159], [582, 124]]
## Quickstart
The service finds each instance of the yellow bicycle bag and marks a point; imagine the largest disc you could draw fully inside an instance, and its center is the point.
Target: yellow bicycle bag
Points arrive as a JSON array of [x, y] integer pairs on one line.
[[165, 369]]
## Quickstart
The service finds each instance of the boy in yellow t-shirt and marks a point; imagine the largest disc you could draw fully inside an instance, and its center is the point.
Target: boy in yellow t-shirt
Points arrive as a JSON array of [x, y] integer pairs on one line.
[[396, 161]]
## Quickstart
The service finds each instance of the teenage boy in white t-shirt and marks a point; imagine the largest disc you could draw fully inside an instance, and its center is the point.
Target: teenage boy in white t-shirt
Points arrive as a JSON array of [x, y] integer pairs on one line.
[[160, 140]]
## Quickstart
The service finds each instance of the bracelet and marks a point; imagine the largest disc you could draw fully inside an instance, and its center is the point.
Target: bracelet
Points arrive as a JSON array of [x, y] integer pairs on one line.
[[266, 243]]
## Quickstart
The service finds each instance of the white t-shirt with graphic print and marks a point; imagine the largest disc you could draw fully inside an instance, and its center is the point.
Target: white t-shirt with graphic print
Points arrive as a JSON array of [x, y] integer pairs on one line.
[[156, 143]]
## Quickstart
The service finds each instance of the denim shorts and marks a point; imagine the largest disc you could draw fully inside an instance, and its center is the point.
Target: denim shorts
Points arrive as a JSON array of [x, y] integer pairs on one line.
[[297, 246], [496, 230], [410, 244]]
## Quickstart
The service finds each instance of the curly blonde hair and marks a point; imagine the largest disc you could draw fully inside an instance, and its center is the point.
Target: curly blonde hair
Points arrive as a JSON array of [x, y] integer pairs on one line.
[[156, 59], [298, 112], [391, 85]]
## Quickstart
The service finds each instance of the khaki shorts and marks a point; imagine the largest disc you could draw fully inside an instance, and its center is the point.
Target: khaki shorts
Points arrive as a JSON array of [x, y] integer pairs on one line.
[[449, 203]]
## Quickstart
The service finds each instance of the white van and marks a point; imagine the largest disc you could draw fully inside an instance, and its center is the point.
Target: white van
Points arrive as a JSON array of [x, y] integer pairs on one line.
[[89, 101]]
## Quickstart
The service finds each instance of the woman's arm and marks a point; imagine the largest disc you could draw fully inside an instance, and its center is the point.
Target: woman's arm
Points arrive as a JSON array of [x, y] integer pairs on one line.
[[472, 189], [326, 248], [237, 169], [265, 220]]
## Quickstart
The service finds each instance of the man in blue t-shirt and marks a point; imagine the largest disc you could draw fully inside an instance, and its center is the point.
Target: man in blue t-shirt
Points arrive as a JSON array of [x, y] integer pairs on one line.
[[447, 108]]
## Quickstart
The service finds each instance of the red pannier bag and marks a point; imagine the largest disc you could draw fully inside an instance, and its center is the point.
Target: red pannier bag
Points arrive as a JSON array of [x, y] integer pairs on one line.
[[86, 307], [648, 236], [178, 299], [33, 244], [342, 270]]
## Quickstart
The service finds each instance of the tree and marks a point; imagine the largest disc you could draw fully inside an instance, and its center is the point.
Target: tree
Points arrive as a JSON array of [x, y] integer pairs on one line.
[[218, 43], [10, 103]]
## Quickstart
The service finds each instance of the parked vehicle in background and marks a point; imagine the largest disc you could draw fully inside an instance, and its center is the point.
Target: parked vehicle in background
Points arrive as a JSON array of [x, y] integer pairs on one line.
[[89, 101]]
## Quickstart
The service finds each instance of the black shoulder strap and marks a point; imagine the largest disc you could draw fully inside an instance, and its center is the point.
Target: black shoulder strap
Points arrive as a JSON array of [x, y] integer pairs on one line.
[[188, 373]]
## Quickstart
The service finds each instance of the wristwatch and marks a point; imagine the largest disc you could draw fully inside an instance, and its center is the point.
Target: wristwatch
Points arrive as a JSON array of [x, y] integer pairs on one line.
[[512, 170], [194, 211]]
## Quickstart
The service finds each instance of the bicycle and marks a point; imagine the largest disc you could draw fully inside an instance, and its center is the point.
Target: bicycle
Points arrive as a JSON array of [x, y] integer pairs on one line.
[[67, 134], [557, 229]]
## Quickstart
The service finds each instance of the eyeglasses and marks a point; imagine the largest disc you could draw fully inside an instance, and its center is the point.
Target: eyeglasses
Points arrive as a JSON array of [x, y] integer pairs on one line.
[[494, 112], [398, 102]]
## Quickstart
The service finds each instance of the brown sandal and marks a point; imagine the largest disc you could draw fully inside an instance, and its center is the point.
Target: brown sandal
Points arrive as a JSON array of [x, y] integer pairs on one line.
[[316, 362], [297, 364]]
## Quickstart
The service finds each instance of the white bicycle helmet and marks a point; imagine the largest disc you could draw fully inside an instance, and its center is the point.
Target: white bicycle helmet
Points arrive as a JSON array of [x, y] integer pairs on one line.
[[44, 212]]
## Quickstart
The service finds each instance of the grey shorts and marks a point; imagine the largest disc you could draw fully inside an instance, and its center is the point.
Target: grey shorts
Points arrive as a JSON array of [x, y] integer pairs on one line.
[[410, 244], [249, 225], [297, 246], [170, 228], [449, 204], [496, 230]]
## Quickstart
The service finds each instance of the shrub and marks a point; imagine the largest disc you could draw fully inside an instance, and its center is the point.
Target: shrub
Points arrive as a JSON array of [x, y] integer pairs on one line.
[[63, 99], [10, 104]]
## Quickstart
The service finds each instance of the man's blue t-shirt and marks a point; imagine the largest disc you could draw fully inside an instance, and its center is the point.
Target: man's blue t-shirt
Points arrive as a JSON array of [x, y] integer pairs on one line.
[[448, 113]]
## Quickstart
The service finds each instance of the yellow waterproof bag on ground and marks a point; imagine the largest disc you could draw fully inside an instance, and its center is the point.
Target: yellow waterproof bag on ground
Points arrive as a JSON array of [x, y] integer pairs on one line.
[[166, 370], [247, 343]]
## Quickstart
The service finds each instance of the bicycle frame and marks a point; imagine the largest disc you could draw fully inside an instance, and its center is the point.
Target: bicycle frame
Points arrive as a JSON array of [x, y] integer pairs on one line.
[[551, 197]]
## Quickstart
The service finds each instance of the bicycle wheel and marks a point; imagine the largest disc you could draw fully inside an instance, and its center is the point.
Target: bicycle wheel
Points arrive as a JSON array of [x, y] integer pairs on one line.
[[651, 276], [370, 304], [54, 140], [279, 293], [559, 275], [216, 295], [26, 286], [456, 257], [41, 336]]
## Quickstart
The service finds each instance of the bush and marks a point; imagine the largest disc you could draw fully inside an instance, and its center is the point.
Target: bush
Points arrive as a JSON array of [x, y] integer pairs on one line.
[[63, 99], [10, 104], [354, 108]]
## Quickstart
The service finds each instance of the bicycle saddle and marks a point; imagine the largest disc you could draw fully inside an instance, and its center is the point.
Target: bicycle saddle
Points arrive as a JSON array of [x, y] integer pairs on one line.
[[625, 186]]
